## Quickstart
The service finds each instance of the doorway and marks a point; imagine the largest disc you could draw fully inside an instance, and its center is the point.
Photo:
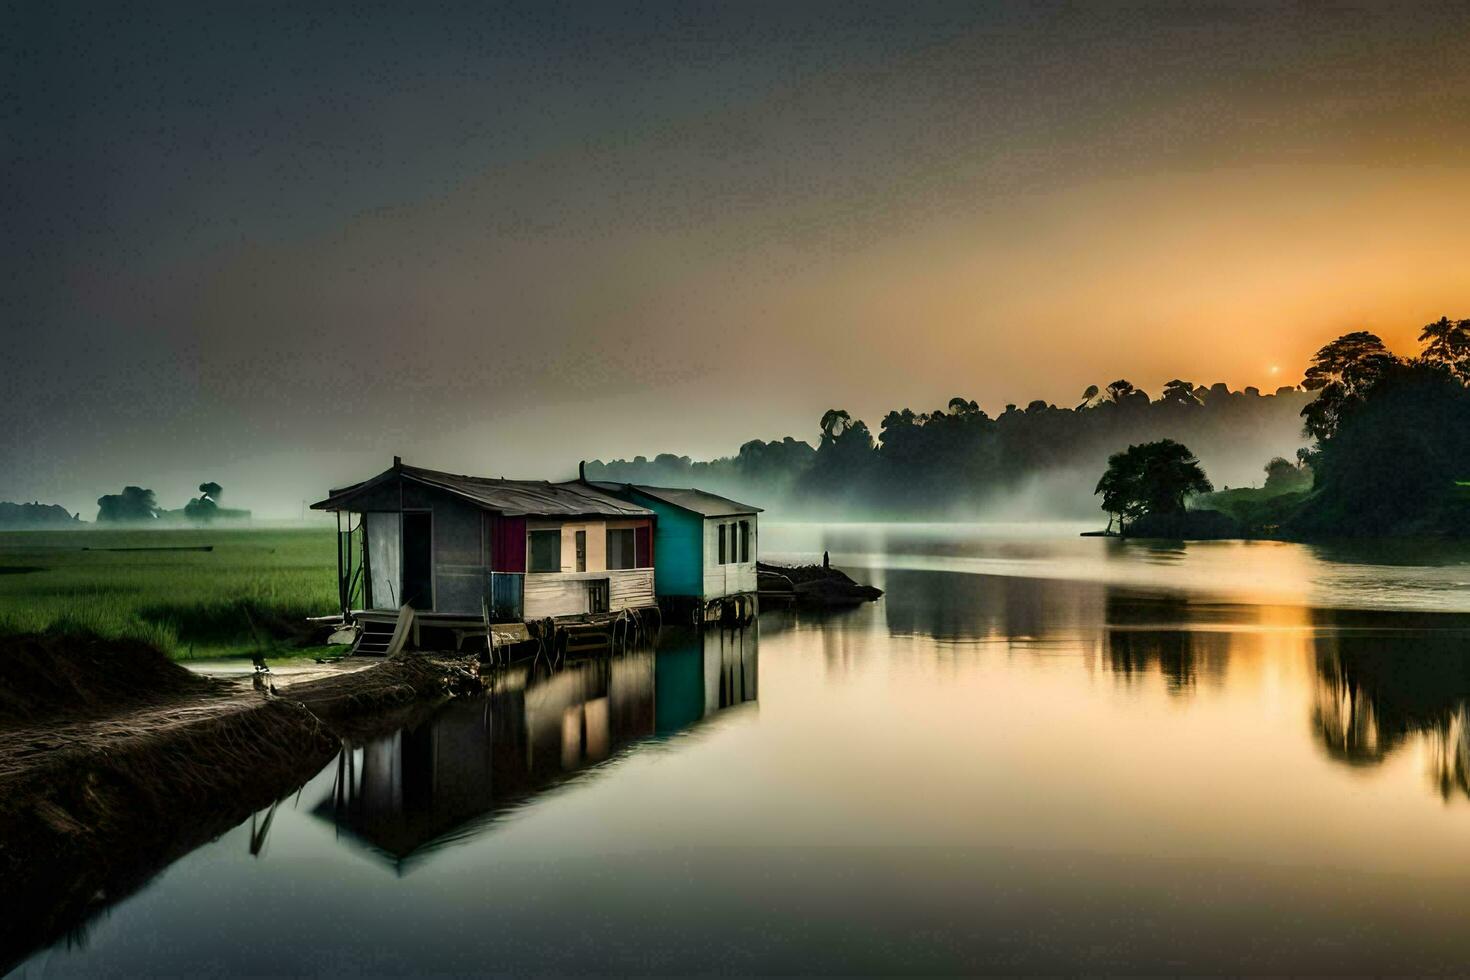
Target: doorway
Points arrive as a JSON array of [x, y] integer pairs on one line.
[[597, 592], [418, 559]]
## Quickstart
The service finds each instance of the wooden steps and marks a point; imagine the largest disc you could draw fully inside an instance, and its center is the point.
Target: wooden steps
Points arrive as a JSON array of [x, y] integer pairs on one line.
[[378, 638]]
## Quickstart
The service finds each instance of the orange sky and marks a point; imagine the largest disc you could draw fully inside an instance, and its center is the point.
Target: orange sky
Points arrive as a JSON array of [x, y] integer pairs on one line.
[[504, 240]]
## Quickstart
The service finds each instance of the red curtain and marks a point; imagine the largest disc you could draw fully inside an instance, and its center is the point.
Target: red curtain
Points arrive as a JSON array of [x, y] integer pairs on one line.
[[508, 544]]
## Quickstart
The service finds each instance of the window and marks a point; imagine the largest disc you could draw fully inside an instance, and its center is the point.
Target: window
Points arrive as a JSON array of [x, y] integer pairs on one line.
[[745, 541], [722, 544], [620, 548], [581, 551], [545, 550]]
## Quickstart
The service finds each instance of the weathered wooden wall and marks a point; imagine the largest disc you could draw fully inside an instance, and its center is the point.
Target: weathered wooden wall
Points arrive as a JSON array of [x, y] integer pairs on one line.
[[461, 561], [735, 577], [565, 593]]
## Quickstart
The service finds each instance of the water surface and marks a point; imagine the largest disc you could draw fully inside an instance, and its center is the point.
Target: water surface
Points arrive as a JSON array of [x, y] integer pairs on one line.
[[1034, 754]]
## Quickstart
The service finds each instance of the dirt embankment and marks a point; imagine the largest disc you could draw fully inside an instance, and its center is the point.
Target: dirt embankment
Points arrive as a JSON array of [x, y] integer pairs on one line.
[[115, 761]]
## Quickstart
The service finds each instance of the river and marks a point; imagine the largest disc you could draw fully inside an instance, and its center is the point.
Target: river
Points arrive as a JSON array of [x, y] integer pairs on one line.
[[1036, 753]]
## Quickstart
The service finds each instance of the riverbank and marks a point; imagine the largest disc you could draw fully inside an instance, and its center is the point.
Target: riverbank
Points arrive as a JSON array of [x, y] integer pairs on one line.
[[114, 761]]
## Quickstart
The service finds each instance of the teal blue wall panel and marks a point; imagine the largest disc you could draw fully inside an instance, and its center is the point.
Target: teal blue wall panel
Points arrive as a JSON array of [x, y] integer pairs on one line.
[[678, 549]]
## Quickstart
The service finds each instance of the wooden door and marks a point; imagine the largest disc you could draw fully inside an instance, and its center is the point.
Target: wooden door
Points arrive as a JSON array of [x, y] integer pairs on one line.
[[597, 596]]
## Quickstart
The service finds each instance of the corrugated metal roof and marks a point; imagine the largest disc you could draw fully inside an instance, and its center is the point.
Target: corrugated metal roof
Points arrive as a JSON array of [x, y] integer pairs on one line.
[[700, 502], [514, 498]]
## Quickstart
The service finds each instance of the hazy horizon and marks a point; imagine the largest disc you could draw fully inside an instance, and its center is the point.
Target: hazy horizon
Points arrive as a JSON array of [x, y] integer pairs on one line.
[[273, 247]]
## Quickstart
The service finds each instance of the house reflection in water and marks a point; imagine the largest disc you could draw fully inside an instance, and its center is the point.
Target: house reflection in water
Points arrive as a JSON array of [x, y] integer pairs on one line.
[[446, 778]]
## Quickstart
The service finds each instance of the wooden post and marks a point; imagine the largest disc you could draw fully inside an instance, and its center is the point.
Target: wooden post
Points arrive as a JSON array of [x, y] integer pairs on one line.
[[341, 582]]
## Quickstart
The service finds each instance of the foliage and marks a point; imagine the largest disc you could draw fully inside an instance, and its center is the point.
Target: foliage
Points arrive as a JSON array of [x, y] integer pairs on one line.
[[1259, 511], [953, 461], [35, 515], [133, 504], [1284, 476], [1393, 436], [1152, 478], [1341, 373], [1447, 342], [252, 591]]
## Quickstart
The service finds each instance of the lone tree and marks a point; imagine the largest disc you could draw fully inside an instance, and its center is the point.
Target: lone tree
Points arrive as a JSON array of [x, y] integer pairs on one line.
[[205, 507], [1151, 478], [1342, 373], [835, 421], [133, 504], [1447, 342]]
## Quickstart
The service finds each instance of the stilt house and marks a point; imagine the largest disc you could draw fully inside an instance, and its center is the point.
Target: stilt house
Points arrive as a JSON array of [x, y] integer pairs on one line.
[[706, 544], [457, 548]]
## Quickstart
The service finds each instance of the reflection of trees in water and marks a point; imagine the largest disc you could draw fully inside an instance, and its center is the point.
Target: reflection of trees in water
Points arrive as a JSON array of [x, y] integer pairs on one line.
[[1377, 689], [1152, 632], [1139, 632], [955, 608], [1133, 653]]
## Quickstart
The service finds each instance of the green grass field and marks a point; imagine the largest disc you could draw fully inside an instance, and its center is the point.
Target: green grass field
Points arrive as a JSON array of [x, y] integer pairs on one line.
[[250, 594]]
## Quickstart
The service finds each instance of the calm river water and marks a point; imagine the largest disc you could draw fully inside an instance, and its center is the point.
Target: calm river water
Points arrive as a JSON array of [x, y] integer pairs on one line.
[[1036, 753]]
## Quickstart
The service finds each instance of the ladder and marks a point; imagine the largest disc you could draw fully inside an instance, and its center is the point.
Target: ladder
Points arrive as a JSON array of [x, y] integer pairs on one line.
[[380, 639]]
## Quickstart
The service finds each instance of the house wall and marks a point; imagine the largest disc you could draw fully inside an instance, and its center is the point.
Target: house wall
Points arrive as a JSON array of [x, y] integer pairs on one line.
[[460, 557], [678, 549], [596, 539], [385, 583], [732, 578], [462, 549], [565, 593]]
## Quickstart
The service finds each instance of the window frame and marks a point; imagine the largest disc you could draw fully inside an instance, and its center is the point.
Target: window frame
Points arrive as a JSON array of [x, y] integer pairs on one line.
[[617, 554], [531, 566]]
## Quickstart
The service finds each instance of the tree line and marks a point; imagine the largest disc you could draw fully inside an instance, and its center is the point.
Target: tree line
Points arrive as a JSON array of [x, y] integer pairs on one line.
[[957, 460], [1390, 456], [140, 505], [1382, 446]]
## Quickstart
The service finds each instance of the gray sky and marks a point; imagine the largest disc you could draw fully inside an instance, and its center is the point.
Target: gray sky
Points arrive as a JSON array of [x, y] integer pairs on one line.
[[273, 246]]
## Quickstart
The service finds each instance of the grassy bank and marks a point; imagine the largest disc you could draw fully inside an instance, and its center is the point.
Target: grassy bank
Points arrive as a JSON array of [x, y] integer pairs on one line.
[[252, 592], [1259, 512]]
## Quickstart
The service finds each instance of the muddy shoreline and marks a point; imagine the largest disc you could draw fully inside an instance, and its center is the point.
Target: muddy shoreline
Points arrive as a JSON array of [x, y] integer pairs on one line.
[[115, 762]]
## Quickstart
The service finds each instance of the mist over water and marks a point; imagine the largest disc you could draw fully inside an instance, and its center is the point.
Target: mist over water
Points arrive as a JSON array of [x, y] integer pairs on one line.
[[1037, 753], [960, 464]]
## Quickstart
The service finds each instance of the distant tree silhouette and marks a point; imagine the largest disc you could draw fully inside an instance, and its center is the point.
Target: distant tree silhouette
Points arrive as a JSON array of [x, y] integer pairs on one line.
[[1283, 475], [1179, 392], [956, 458], [1152, 478], [205, 507], [1393, 438], [133, 504], [1448, 342], [1341, 373], [959, 406], [835, 421]]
